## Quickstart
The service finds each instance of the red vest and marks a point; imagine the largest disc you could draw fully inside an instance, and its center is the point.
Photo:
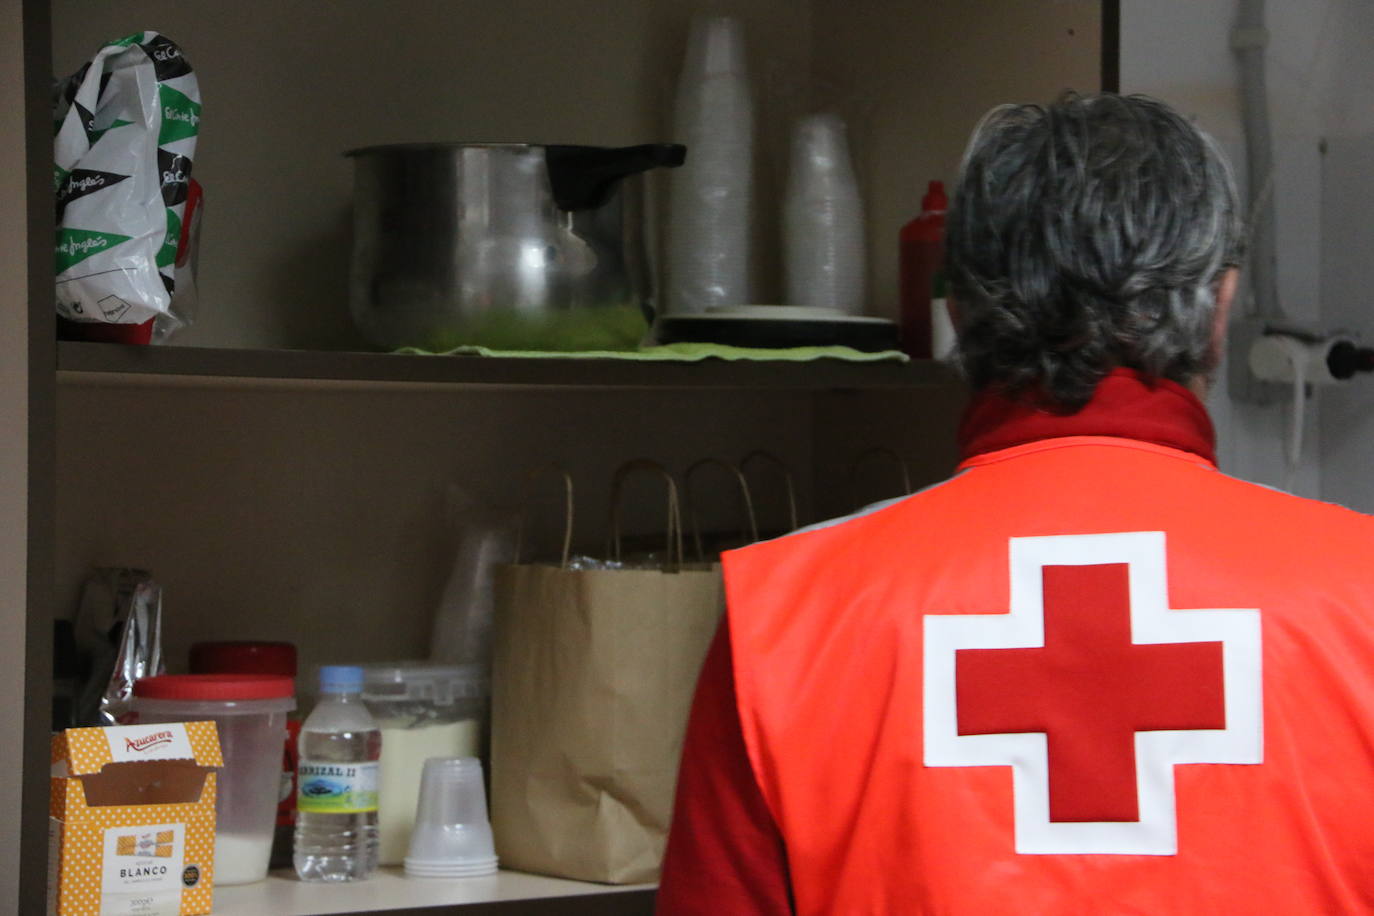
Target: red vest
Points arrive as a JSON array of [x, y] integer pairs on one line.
[[1089, 674]]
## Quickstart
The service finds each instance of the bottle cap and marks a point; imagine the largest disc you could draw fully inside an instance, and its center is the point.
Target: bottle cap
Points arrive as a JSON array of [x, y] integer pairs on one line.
[[935, 200], [244, 657], [341, 679]]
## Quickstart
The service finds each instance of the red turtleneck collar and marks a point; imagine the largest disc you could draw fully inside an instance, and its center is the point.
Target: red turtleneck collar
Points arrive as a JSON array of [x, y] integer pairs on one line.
[[1125, 405]]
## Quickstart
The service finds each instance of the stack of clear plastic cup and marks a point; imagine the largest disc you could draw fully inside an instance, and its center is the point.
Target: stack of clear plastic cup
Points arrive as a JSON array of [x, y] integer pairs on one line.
[[823, 219], [452, 835]]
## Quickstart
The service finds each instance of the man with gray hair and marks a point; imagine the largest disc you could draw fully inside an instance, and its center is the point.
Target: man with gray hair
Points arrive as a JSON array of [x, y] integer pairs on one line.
[[1089, 673], [1092, 235]]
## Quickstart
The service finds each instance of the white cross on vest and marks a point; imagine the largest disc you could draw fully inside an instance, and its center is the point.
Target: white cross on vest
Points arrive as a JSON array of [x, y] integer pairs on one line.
[[1091, 690]]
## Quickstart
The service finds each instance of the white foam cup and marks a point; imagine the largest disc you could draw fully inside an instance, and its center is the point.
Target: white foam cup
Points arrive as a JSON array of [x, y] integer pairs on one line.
[[452, 835]]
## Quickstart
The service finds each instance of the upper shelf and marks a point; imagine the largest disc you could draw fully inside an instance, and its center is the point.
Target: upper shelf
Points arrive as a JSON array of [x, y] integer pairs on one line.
[[291, 368]]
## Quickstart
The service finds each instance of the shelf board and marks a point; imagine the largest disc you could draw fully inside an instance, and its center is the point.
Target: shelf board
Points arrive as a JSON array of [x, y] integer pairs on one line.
[[103, 362], [390, 891]]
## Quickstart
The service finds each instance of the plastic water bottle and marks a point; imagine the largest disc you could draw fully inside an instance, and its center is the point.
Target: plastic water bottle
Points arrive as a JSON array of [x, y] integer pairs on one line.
[[336, 804]]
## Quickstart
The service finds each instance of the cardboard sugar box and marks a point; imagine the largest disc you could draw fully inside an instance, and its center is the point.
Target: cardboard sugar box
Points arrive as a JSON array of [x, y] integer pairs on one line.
[[132, 820]]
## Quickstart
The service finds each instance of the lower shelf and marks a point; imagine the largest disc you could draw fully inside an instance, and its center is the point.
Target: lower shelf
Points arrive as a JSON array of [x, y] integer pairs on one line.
[[390, 891]]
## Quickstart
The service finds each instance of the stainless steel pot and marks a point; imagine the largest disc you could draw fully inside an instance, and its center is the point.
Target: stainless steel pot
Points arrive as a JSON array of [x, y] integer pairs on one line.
[[511, 246]]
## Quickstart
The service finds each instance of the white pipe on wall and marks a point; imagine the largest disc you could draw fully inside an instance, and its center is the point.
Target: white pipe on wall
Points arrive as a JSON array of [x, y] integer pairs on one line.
[[1250, 41]]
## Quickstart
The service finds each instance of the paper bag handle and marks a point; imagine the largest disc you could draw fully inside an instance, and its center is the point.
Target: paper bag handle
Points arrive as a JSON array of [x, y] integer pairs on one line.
[[751, 521], [878, 452], [567, 512], [674, 533], [761, 455]]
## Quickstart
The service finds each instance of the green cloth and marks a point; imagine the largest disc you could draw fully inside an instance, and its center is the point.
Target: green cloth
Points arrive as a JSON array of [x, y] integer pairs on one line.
[[683, 352]]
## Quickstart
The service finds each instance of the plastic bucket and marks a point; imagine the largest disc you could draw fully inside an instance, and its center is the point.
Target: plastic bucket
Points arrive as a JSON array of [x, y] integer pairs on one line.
[[250, 713]]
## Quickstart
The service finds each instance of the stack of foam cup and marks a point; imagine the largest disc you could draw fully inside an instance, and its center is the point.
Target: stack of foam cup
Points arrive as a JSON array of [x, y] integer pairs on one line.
[[452, 835], [823, 219], [710, 197]]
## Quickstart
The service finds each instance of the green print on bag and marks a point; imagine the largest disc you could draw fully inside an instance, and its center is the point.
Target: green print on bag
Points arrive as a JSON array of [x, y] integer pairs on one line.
[[336, 788], [180, 115], [76, 245], [167, 254], [96, 134]]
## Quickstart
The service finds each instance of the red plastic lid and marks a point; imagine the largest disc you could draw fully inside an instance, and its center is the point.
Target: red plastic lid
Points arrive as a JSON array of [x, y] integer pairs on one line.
[[935, 199], [244, 658], [215, 687]]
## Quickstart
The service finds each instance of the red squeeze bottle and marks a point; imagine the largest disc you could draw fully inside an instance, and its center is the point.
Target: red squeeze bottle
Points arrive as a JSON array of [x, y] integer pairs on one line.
[[919, 261]]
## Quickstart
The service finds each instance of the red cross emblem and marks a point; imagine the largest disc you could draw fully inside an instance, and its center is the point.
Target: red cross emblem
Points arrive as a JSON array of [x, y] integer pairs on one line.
[[1092, 689]]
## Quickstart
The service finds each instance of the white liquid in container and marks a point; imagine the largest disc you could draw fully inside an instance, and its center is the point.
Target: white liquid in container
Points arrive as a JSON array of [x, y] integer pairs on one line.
[[404, 752], [239, 857]]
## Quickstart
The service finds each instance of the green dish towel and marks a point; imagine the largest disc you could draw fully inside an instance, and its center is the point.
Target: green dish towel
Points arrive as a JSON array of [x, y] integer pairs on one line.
[[684, 353]]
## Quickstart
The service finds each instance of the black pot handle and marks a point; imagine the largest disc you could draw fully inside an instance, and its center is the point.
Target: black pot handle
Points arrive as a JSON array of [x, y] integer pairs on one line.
[[583, 177]]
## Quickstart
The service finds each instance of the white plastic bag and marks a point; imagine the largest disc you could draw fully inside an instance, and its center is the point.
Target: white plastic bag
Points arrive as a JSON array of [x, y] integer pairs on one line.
[[486, 539], [126, 137]]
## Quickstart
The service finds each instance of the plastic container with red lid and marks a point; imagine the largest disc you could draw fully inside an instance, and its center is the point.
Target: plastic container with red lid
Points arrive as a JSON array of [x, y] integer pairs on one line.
[[250, 713], [217, 688], [262, 657]]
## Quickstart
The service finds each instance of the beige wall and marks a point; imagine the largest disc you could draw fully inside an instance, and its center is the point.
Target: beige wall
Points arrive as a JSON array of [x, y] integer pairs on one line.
[[318, 515], [918, 76]]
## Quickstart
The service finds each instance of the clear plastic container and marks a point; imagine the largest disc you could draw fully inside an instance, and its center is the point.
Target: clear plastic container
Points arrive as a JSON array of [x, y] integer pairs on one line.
[[250, 714], [424, 711], [258, 657]]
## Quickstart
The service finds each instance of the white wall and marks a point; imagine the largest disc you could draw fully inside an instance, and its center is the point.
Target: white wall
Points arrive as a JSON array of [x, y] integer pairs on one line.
[[1179, 51], [1347, 420]]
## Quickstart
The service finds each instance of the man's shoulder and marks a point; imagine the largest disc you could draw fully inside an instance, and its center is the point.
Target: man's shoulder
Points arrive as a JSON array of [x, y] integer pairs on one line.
[[858, 523], [850, 541], [1307, 509]]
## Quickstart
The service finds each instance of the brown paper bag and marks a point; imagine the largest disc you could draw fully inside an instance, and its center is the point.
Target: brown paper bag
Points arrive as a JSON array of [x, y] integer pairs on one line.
[[593, 676], [714, 546]]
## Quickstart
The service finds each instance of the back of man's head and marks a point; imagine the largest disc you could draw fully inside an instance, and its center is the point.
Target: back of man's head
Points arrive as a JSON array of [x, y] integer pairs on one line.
[[1087, 235]]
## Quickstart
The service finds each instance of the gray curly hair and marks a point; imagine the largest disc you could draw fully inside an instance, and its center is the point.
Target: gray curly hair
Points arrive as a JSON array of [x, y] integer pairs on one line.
[[1087, 235]]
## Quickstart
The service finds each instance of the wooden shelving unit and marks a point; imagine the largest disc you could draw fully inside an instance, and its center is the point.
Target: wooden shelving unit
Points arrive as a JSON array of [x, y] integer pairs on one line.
[[247, 462]]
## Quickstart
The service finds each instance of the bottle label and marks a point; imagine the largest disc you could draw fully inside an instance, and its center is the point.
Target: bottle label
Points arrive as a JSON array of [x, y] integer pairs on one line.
[[336, 788]]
